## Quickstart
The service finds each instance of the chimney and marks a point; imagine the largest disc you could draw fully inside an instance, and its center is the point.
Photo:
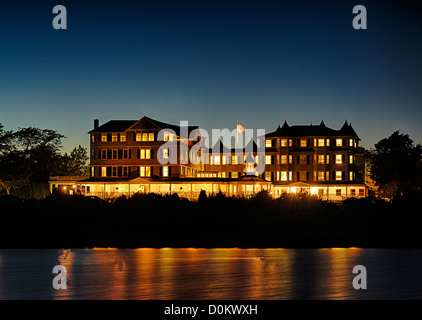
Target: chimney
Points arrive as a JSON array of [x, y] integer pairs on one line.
[[96, 123]]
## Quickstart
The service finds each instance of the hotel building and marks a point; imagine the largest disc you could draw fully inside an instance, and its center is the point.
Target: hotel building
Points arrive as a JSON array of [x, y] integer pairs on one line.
[[126, 158]]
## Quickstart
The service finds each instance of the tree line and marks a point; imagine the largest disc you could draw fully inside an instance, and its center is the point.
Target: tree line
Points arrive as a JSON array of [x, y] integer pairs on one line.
[[29, 156]]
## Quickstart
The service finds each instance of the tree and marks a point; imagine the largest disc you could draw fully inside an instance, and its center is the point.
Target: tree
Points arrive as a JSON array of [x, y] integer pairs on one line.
[[395, 166], [75, 163], [27, 159]]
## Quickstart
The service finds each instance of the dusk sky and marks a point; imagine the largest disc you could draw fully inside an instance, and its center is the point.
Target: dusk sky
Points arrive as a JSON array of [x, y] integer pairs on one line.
[[212, 63]]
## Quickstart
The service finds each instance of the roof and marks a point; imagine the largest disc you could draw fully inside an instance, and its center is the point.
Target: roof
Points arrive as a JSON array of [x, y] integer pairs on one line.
[[312, 130], [114, 126], [145, 123]]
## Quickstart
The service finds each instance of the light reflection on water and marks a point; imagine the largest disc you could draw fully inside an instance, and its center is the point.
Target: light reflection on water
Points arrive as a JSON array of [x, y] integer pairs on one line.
[[190, 273]]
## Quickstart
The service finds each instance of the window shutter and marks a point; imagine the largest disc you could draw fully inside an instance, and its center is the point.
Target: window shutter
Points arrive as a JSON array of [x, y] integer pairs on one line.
[[161, 171], [307, 159], [272, 176], [298, 159], [138, 153], [343, 159], [169, 171], [272, 159], [308, 143], [134, 136], [152, 153], [307, 175], [343, 175], [130, 153]]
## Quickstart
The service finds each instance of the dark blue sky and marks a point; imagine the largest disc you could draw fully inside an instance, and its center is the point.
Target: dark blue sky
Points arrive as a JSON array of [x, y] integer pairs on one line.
[[212, 63]]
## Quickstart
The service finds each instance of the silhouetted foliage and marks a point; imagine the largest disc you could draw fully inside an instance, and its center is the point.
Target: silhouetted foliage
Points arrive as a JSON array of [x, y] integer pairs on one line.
[[153, 220], [395, 166], [29, 156]]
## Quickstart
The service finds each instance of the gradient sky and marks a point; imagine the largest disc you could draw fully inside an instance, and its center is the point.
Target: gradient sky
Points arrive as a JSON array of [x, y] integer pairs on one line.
[[212, 63]]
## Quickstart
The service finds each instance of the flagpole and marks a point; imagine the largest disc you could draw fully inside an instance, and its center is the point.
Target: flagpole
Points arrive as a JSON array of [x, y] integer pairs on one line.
[[237, 133]]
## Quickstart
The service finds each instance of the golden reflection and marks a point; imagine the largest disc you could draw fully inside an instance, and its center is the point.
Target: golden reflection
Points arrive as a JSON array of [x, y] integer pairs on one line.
[[219, 273], [338, 285]]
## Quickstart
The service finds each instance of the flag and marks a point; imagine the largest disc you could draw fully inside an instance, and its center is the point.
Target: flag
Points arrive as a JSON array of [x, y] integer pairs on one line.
[[240, 128]]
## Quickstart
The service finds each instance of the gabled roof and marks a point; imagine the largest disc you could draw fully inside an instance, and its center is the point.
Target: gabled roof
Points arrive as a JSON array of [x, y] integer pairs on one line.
[[145, 123], [114, 126], [312, 130]]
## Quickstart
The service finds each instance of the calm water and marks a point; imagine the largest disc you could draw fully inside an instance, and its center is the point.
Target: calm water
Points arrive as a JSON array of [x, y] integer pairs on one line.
[[211, 274]]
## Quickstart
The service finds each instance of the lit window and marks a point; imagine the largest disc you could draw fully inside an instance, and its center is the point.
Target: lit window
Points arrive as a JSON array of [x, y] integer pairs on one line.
[[93, 138], [165, 170], [268, 143], [361, 192], [234, 160], [327, 159], [122, 137], [350, 175], [148, 154], [268, 176], [114, 137], [103, 138], [166, 136], [267, 159], [327, 175], [338, 192], [224, 161], [283, 176], [290, 159], [283, 142], [142, 171], [353, 192], [321, 158], [151, 136], [145, 136], [320, 175], [165, 153], [320, 142], [339, 142], [290, 175], [216, 159], [139, 137], [327, 142], [103, 171], [338, 175], [350, 142], [303, 143], [338, 158], [290, 142], [284, 159], [92, 171], [351, 159]]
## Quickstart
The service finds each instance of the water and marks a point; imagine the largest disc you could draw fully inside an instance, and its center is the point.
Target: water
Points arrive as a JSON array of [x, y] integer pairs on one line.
[[159, 274]]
